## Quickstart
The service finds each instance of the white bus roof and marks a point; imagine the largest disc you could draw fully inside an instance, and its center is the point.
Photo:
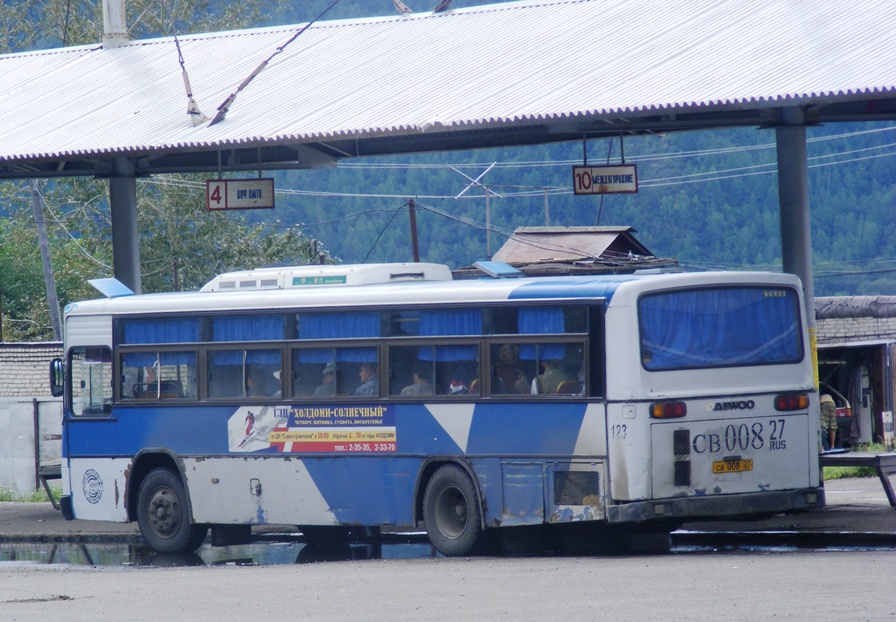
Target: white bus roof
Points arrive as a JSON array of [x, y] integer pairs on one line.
[[419, 292]]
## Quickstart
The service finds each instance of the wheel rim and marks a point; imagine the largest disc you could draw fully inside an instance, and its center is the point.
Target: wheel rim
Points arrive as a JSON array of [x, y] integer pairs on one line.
[[451, 512], [164, 512]]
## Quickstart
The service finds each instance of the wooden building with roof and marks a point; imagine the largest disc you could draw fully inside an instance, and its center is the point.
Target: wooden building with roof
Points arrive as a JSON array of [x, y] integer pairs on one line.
[[575, 250]]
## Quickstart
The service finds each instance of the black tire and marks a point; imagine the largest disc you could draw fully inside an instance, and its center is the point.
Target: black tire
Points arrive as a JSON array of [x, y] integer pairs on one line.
[[451, 511], [163, 516]]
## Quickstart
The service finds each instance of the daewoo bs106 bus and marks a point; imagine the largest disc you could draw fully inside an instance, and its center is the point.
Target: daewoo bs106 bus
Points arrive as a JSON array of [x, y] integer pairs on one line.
[[337, 397]]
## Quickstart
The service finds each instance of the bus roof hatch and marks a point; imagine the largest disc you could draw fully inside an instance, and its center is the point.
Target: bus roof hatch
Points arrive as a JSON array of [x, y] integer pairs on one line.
[[327, 276]]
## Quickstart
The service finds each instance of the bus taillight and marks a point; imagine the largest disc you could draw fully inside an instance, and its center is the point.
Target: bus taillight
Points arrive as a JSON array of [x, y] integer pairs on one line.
[[668, 410], [792, 401]]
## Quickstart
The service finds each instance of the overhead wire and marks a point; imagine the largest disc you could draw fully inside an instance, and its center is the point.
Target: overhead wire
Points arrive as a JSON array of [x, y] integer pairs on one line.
[[698, 177], [383, 230]]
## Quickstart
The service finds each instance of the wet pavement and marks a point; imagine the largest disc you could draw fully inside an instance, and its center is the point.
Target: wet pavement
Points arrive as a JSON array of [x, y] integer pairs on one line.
[[857, 514]]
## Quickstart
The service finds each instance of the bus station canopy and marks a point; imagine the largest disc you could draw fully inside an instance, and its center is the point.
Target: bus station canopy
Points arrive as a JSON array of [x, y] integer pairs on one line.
[[506, 74]]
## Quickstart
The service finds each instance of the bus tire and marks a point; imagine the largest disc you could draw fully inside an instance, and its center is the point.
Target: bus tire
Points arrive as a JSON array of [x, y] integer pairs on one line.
[[163, 516], [451, 511]]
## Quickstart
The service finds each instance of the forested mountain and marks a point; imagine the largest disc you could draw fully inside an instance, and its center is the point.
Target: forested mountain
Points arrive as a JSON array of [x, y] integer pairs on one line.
[[708, 198]]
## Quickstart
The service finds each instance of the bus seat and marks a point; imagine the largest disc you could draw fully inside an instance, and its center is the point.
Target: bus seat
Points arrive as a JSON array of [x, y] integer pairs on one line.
[[474, 387], [568, 387], [167, 389], [170, 389]]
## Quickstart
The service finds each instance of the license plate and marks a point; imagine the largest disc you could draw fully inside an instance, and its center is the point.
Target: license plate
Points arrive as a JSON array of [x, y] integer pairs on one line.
[[732, 466]]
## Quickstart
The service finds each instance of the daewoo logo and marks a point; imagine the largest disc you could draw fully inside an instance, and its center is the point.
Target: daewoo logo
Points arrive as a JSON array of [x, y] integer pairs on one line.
[[741, 405]]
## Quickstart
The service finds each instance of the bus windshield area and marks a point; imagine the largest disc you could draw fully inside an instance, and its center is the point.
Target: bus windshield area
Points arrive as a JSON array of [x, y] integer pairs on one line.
[[725, 327]]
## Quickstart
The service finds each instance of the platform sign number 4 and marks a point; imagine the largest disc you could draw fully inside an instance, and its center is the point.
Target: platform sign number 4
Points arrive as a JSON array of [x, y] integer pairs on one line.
[[236, 194]]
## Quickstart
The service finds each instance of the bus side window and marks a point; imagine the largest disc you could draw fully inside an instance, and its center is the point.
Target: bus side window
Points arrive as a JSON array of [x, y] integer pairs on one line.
[[328, 372], [434, 370], [557, 370], [509, 374], [158, 375], [225, 374], [91, 381]]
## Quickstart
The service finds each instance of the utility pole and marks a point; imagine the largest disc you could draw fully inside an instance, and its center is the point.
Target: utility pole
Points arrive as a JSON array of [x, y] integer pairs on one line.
[[488, 226], [412, 215], [44, 245]]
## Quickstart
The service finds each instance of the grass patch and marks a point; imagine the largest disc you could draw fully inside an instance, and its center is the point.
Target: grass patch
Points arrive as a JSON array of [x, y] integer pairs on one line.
[[842, 472], [37, 496]]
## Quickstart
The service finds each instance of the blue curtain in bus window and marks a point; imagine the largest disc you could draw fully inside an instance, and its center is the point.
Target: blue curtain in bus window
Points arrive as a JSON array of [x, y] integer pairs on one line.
[[722, 327], [139, 359], [541, 321], [451, 322], [313, 355], [177, 358], [247, 328], [225, 357], [263, 357], [444, 354], [356, 355], [148, 359], [343, 355], [339, 325], [252, 357], [172, 330]]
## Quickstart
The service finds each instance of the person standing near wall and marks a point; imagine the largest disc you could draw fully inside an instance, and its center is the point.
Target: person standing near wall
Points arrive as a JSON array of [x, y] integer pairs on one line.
[[828, 422]]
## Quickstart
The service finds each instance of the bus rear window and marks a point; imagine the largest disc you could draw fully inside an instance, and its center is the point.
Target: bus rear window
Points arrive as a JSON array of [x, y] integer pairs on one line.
[[727, 327]]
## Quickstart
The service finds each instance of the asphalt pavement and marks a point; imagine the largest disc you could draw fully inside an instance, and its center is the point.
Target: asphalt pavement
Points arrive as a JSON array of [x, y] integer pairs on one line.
[[856, 512]]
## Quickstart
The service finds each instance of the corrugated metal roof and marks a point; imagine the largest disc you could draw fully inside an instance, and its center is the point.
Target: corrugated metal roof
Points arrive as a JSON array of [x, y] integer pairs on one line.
[[554, 69]]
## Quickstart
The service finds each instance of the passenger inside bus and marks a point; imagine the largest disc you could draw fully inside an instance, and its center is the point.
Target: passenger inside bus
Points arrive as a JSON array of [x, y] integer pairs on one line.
[[422, 381], [256, 383], [368, 377], [463, 378], [330, 378], [508, 376], [553, 376]]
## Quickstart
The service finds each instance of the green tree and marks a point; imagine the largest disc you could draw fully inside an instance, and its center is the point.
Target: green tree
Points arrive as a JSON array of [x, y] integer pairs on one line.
[[181, 245], [41, 24]]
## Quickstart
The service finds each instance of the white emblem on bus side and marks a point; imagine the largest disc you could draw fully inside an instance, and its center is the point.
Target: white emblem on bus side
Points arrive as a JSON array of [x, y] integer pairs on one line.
[[92, 484]]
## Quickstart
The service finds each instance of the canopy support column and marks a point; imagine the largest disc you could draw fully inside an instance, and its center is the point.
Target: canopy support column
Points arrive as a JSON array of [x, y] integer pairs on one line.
[[793, 198], [125, 235]]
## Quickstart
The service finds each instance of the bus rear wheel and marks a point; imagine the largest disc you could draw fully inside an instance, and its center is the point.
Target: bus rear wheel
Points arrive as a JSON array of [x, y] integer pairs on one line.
[[163, 516], [451, 511]]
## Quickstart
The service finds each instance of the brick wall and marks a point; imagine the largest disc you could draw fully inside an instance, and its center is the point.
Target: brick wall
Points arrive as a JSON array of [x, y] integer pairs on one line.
[[25, 368], [841, 330]]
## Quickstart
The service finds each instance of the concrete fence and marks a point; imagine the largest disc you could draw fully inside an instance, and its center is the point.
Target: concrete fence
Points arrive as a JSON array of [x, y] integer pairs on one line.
[[32, 437]]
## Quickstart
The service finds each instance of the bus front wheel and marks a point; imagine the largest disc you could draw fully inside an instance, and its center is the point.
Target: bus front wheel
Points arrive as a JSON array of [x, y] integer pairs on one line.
[[451, 511], [163, 516]]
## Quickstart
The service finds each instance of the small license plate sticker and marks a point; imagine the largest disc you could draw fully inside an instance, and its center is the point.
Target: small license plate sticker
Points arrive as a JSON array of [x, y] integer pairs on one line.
[[732, 466]]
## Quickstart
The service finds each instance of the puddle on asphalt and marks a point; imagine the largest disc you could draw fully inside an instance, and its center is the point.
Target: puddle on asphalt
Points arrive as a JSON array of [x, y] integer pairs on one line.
[[269, 552], [264, 553]]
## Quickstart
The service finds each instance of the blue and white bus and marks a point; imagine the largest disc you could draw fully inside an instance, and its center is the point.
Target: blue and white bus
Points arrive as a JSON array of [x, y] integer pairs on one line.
[[391, 395]]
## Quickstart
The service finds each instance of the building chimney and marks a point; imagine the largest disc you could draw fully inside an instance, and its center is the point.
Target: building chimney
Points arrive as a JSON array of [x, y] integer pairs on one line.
[[115, 30]]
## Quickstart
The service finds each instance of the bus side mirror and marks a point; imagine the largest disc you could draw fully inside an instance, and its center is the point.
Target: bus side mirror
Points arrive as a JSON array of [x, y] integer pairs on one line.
[[57, 377]]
